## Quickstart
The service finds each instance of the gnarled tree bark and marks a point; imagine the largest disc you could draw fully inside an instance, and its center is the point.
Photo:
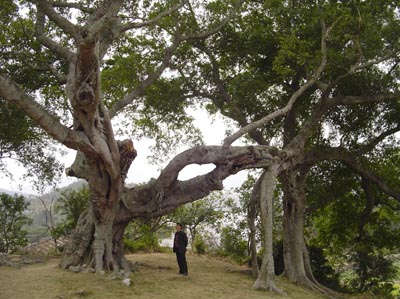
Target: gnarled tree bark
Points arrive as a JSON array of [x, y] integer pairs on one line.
[[163, 195]]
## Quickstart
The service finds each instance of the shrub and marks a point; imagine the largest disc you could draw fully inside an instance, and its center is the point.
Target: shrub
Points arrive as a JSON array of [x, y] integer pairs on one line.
[[12, 221], [233, 245], [200, 245], [145, 240]]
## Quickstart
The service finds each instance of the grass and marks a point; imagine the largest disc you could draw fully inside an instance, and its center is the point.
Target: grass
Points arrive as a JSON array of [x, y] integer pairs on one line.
[[156, 277]]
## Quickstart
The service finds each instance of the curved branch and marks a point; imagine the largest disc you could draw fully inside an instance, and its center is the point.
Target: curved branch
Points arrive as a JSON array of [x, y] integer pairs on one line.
[[167, 192], [148, 23], [350, 160], [374, 142], [13, 94], [55, 47], [78, 6], [353, 100], [254, 125], [222, 24], [47, 8], [139, 91], [238, 158]]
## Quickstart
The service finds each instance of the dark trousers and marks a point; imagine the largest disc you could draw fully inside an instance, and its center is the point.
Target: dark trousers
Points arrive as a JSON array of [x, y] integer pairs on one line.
[[181, 258]]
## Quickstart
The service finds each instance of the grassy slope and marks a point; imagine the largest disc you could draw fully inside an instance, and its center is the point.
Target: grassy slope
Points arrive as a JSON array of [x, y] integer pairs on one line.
[[156, 277]]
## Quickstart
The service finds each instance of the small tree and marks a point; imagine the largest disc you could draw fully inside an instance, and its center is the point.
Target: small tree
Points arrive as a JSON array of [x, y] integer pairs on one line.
[[199, 214], [141, 235], [71, 204], [12, 221], [234, 244]]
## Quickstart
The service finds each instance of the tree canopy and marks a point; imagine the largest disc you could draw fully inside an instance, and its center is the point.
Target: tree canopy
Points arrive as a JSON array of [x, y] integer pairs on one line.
[[310, 85]]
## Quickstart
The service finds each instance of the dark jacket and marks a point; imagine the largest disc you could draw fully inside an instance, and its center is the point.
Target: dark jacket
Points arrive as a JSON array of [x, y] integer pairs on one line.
[[180, 242]]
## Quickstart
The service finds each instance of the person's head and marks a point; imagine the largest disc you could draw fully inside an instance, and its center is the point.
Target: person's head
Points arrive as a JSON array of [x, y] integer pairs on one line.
[[178, 226]]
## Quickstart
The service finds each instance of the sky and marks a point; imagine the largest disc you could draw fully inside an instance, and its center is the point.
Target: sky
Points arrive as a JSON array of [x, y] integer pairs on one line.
[[141, 169]]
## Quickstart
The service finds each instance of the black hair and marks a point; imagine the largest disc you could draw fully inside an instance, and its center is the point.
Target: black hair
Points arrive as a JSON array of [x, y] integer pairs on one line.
[[179, 224]]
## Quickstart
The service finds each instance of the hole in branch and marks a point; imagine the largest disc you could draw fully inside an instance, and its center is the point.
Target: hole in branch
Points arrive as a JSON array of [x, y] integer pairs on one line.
[[193, 170]]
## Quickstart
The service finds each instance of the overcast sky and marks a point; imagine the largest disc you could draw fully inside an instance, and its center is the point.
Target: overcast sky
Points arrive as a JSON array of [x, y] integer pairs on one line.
[[141, 170]]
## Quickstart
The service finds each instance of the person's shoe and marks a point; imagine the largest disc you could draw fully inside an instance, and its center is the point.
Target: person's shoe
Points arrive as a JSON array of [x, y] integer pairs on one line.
[[184, 274]]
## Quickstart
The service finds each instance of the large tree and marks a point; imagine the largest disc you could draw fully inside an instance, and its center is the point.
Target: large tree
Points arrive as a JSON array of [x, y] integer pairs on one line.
[[282, 70], [57, 63], [319, 81]]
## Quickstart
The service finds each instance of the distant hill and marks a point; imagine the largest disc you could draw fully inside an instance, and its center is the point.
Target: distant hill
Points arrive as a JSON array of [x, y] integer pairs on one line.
[[10, 192], [41, 207]]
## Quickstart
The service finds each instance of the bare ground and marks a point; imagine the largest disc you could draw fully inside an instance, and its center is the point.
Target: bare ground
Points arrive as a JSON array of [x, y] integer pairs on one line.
[[156, 277]]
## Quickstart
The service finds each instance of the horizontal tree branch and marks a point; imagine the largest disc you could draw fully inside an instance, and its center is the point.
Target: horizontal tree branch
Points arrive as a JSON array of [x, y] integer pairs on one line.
[[353, 100], [167, 192]]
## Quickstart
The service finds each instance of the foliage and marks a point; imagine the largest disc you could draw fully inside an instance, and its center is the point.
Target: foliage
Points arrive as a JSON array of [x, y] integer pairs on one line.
[[12, 222], [71, 204], [20, 138], [234, 244], [200, 245], [351, 233], [140, 237], [371, 269], [246, 70], [200, 215], [23, 141], [322, 270]]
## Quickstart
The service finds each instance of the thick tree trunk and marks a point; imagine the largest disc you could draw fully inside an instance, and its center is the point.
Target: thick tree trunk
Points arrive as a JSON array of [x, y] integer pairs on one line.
[[92, 242], [293, 229], [266, 274], [85, 249], [78, 250], [296, 256]]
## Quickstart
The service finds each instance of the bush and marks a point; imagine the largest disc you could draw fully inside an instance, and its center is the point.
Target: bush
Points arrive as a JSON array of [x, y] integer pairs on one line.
[[146, 240], [200, 245], [71, 204], [372, 271], [233, 245], [12, 221]]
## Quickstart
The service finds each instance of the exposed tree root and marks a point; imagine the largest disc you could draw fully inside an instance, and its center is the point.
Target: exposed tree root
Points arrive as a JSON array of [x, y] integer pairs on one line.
[[268, 286]]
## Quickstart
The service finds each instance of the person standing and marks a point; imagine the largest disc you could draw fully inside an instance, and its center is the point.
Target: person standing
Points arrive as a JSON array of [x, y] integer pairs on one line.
[[180, 244]]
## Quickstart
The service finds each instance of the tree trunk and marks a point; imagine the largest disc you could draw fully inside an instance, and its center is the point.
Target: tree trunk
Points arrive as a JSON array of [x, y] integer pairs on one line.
[[266, 275], [296, 256], [293, 231], [101, 250], [252, 209]]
